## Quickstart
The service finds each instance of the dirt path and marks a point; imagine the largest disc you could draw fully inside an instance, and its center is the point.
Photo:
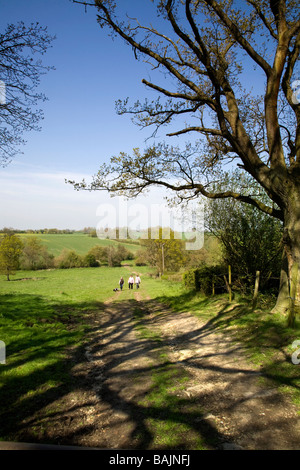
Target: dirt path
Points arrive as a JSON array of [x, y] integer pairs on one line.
[[246, 414], [222, 401]]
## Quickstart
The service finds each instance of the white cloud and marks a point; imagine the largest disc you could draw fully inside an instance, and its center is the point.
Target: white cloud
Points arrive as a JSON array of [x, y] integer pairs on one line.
[[36, 198]]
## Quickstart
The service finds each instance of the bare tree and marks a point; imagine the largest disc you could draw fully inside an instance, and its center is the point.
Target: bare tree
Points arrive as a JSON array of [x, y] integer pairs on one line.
[[205, 49], [20, 70]]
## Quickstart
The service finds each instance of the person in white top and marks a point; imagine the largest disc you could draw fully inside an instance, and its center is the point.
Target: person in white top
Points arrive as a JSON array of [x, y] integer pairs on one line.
[[130, 282], [137, 281]]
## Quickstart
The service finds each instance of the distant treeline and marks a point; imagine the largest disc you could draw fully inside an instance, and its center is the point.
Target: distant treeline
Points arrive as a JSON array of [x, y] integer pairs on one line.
[[36, 256], [31, 254], [97, 256], [39, 231]]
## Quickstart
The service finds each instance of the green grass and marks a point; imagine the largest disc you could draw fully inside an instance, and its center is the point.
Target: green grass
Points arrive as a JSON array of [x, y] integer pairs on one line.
[[43, 316], [265, 336], [267, 340], [75, 285], [80, 242], [172, 420], [162, 289], [43, 322]]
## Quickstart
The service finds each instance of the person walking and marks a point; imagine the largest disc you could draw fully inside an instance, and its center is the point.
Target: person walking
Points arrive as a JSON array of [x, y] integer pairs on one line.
[[121, 283], [130, 282], [137, 281]]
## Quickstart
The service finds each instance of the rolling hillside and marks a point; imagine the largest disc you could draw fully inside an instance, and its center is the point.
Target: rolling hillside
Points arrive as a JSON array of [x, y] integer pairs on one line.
[[79, 242]]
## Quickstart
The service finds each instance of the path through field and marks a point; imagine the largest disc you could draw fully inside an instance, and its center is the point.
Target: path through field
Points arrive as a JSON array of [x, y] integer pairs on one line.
[[173, 382]]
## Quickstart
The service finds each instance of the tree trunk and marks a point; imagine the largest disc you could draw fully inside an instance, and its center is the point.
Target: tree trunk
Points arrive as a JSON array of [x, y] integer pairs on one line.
[[291, 256], [293, 286], [256, 287], [282, 303]]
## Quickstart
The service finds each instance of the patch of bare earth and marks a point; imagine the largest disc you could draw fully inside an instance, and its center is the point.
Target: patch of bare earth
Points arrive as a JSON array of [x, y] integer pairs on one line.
[[111, 379]]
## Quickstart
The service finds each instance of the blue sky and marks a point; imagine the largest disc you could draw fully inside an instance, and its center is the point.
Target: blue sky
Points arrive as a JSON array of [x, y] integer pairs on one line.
[[80, 129]]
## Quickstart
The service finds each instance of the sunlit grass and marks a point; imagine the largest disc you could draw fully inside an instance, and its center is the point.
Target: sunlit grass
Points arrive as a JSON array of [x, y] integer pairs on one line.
[[171, 419], [43, 315], [264, 335]]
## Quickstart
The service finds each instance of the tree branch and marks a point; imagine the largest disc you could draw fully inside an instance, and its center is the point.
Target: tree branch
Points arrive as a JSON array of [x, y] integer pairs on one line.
[[257, 8], [233, 28], [145, 50], [184, 96], [203, 130]]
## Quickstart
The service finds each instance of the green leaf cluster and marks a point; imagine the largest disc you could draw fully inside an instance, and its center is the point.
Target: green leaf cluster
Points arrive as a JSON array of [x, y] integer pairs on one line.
[[11, 248]]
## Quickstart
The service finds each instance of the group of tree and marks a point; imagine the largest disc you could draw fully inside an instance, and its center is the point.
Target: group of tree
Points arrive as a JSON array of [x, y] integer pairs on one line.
[[164, 252], [250, 240], [206, 51], [31, 254], [111, 256], [236, 235], [37, 231], [28, 255]]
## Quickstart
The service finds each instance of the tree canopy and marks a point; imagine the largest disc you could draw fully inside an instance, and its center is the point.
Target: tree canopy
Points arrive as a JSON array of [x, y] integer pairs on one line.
[[21, 47], [230, 70], [11, 248], [251, 240], [165, 252], [205, 49]]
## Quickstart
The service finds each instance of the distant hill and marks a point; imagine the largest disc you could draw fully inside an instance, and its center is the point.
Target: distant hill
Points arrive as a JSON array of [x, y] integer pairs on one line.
[[80, 242]]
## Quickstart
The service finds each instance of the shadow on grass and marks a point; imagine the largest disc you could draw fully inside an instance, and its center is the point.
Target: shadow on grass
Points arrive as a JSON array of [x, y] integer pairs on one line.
[[265, 336], [159, 411], [38, 335], [38, 377]]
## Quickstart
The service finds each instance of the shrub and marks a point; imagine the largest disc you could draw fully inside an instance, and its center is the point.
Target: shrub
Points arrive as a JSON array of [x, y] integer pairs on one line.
[[100, 254], [91, 261], [206, 278], [35, 255], [115, 256], [69, 259], [140, 258]]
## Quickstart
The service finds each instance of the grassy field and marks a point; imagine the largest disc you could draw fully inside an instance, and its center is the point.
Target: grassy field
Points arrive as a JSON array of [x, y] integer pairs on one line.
[[43, 314], [80, 242]]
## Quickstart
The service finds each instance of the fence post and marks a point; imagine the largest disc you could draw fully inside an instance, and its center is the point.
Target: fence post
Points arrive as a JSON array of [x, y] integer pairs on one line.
[[254, 300], [229, 281], [228, 284]]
